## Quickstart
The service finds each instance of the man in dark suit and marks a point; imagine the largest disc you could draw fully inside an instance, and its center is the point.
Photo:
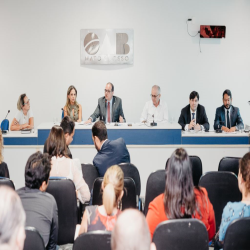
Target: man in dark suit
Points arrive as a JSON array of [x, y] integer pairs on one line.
[[193, 116], [227, 117], [109, 107], [109, 152]]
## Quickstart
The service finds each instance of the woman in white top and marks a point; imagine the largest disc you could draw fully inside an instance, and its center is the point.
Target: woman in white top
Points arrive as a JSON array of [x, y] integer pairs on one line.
[[24, 118], [63, 166]]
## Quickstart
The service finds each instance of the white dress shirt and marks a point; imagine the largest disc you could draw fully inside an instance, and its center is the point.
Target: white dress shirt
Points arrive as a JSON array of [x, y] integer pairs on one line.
[[160, 112]]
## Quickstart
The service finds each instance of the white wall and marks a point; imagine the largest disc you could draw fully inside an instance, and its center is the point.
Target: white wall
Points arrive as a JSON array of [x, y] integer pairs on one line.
[[40, 54]]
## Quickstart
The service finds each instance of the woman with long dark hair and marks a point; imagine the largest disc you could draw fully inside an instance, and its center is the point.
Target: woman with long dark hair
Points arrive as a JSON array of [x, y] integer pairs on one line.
[[181, 199]]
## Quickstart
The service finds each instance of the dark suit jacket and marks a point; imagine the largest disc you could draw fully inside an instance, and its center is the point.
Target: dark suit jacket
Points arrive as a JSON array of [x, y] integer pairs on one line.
[[111, 153], [201, 117], [101, 110], [235, 118]]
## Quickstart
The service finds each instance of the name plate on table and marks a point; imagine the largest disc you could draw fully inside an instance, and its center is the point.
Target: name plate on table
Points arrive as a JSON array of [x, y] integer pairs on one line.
[[107, 46]]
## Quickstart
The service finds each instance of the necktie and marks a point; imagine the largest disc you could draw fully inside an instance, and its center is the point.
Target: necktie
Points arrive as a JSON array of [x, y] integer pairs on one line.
[[108, 112], [193, 118], [228, 121]]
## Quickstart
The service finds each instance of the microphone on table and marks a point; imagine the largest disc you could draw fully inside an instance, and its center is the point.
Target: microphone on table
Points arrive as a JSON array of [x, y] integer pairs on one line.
[[219, 130], [153, 123], [5, 124]]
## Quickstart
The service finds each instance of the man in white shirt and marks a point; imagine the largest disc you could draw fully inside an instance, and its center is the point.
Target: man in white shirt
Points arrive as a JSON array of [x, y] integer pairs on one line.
[[155, 109]]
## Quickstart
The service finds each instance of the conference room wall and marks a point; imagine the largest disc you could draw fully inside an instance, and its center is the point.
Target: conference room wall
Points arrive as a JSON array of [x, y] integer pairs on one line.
[[40, 54]]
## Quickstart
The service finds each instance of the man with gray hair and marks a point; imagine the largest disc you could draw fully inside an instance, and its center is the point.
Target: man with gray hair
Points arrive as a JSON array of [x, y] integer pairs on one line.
[[12, 220], [131, 232], [155, 109]]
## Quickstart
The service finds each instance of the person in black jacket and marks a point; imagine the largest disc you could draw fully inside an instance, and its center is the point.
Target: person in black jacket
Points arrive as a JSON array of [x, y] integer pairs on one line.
[[109, 152], [193, 116], [227, 117]]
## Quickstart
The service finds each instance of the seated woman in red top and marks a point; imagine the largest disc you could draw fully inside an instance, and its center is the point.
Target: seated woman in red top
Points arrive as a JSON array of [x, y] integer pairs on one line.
[[104, 217], [181, 199]]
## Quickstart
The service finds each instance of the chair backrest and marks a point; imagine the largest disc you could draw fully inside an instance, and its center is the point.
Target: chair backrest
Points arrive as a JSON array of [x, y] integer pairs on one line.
[[33, 239], [89, 173], [64, 193], [230, 164], [196, 168], [237, 235], [7, 182], [222, 187], [4, 170], [155, 186], [129, 196], [130, 170], [188, 234], [98, 240]]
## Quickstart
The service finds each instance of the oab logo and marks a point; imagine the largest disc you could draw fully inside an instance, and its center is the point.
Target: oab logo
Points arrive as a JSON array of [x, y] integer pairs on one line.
[[107, 46], [91, 43]]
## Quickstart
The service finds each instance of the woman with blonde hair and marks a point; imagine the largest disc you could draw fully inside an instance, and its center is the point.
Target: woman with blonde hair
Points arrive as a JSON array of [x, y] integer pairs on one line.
[[104, 217], [4, 171], [72, 108], [24, 118]]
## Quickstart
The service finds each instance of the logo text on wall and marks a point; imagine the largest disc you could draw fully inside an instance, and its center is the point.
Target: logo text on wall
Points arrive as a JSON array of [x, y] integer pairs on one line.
[[107, 46]]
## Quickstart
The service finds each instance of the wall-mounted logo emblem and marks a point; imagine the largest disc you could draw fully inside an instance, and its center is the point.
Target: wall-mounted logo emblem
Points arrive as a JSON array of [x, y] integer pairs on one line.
[[101, 46]]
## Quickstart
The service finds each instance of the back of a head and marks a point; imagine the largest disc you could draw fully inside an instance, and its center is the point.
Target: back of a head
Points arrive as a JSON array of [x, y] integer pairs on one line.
[[67, 125], [245, 170], [179, 189], [12, 219], [56, 143], [131, 232], [99, 130], [113, 183], [37, 170]]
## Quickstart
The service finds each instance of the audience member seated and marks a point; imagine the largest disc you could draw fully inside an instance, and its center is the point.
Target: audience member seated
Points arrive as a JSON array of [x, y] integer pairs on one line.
[[104, 217], [109, 152], [181, 199], [4, 171], [63, 166], [12, 220], [131, 232], [72, 108], [235, 210], [68, 127], [40, 207], [24, 118]]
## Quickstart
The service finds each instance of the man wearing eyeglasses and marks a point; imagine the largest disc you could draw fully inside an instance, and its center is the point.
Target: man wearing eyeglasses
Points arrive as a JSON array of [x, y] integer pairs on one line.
[[109, 108], [155, 109]]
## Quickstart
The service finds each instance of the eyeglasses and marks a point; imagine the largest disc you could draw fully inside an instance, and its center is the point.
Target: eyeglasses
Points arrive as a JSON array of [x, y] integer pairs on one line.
[[107, 91], [25, 103], [154, 96]]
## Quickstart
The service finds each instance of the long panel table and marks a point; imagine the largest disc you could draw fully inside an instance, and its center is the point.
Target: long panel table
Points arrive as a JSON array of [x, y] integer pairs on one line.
[[149, 147]]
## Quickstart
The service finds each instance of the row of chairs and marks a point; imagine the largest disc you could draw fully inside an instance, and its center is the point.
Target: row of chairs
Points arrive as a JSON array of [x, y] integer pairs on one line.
[[188, 234]]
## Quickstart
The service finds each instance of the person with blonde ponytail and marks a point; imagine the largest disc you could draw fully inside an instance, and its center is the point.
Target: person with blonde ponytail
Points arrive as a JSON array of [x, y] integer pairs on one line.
[[104, 217]]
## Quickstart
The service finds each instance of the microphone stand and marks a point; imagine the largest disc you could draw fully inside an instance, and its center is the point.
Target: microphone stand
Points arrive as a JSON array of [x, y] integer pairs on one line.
[[153, 123]]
